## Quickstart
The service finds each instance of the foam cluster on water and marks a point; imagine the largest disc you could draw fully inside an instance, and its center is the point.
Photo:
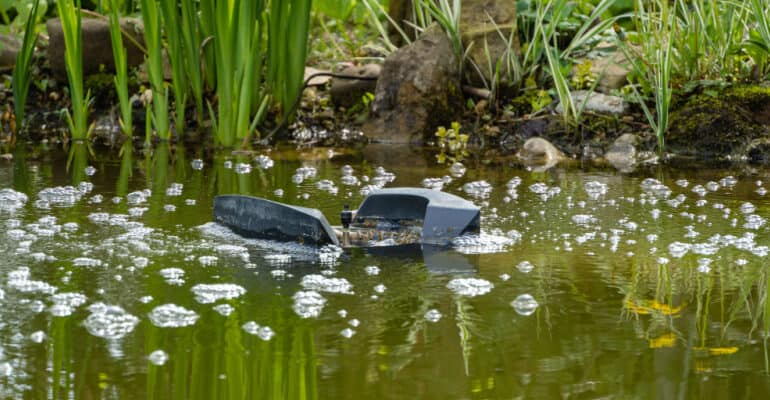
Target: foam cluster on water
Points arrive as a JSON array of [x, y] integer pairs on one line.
[[11, 200], [483, 243], [308, 304], [65, 303], [321, 283], [210, 293], [60, 196], [172, 316], [470, 287], [19, 280], [109, 321]]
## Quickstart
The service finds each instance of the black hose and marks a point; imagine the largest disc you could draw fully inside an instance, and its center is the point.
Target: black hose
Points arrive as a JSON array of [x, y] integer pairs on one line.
[[294, 105]]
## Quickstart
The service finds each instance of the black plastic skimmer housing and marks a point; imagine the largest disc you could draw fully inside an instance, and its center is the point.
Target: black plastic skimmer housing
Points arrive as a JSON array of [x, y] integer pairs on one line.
[[443, 216]]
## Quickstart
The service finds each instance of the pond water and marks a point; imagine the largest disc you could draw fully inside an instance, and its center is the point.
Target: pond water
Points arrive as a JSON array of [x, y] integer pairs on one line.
[[583, 283]]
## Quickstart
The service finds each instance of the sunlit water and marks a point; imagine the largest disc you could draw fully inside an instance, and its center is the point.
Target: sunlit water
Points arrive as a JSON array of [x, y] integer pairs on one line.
[[583, 284]]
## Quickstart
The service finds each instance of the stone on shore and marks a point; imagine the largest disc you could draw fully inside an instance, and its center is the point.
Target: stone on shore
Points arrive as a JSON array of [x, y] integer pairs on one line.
[[418, 90]]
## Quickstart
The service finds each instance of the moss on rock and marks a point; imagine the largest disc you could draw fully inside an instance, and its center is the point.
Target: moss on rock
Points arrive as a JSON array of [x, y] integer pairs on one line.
[[709, 126]]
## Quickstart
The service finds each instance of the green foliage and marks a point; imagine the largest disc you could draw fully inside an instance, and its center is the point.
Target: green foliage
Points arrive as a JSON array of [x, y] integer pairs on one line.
[[288, 25], [21, 72], [25, 9], [121, 69], [238, 29], [69, 12], [175, 51], [154, 61], [337, 9]]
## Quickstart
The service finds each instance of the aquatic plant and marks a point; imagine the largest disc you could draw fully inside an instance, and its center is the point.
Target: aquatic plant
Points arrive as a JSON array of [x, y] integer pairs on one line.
[[154, 61], [121, 70], [288, 24], [191, 37], [238, 46], [21, 72], [69, 12], [175, 50]]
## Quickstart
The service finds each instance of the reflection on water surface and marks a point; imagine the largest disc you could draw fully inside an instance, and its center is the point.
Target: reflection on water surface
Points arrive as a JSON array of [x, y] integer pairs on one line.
[[582, 284]]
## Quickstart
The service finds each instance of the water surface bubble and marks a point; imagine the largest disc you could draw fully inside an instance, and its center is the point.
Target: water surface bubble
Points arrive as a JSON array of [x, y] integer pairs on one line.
[[347, 333], [37, 337], [380, 288], [264, 162], [595, 189], [372, 270], [678, 249], [196, 164], [250, 327], [525, 267], [525, 305], [308, 304], [172, 316], [470, 287], [433, 183], [265, 333], [158, 357], [432, 315], [224, 309], [109, 321], [278, 192], [457, 170], [210, 293]]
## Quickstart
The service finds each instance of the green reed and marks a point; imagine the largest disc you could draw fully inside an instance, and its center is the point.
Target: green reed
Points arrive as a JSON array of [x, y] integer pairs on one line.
[[121, 70], [77, 119], [176, 54], [760, 35], [288, 25], [238, 31], [656, 25], [21, 72], [152, 38], [191, 37]]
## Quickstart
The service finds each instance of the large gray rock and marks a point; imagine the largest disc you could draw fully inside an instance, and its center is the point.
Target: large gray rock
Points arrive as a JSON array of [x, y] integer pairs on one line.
[[596, 103], [418, 90], [485, 23], [348, 92], [9, 49], [97, 45]]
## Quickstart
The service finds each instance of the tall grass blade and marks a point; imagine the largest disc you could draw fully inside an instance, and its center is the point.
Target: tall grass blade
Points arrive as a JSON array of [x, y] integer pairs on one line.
[[77, 119], [154, 61], [21, 72], [176, 54], [121, 69]]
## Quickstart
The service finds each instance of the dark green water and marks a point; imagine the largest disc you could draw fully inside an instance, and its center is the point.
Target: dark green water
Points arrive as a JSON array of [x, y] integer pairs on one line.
[[644, 290]]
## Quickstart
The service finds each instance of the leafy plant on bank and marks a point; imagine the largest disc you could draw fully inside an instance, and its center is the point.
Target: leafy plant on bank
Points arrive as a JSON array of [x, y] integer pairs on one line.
[[77, 119], [21, 72], [175, 51], [121, 70]]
